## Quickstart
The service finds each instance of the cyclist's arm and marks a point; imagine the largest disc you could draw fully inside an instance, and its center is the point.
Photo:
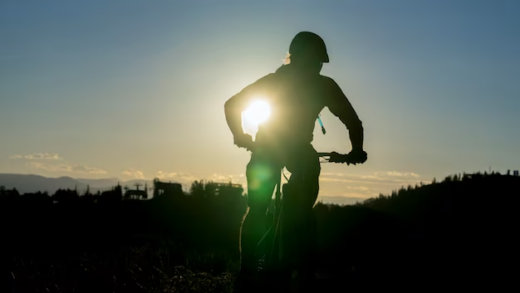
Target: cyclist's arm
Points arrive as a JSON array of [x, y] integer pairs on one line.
[[238, 103], [341, 107]]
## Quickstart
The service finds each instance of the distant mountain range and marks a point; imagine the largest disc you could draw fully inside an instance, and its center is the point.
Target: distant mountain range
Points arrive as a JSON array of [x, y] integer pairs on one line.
[[34, 183]]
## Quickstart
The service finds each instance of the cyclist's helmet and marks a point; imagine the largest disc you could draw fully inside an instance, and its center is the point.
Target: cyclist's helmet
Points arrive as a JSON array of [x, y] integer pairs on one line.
[[308, 43]]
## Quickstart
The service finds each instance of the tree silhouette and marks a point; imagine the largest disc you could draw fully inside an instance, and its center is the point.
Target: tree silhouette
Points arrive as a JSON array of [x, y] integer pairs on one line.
[[197, 189]]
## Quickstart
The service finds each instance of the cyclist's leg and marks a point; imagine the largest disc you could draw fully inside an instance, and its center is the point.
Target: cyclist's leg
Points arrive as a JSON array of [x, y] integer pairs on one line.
[[299, 219], [261, 173]]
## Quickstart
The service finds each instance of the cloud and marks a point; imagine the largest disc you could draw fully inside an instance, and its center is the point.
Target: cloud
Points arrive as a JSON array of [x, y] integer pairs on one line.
[[187, 179], [65, 168], [388, 178], [366, 185], [134, 173], [399, 174], [221, 177], [175, 176], [224, 178], [87, 169], [165, 175], [362, 188], [51, 168], [38, 156]]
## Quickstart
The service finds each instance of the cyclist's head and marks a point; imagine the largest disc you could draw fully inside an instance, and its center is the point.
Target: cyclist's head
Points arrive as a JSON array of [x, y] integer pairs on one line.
[[308, 50]]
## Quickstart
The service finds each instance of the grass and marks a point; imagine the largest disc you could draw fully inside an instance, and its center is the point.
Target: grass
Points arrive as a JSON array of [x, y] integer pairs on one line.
[[146, 268]]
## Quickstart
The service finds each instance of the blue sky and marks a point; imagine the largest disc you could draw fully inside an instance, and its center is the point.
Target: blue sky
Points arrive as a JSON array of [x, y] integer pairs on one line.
[[134, 89]]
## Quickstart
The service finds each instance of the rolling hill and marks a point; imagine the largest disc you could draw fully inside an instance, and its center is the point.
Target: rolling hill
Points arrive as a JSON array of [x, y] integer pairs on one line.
[[34, 183]]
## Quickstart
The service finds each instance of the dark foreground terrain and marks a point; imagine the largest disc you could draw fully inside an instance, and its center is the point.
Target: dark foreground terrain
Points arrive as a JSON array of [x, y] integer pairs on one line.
[[459, 234]]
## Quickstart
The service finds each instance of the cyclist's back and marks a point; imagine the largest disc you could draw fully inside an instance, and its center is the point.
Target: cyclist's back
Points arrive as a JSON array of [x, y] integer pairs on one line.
[[296, 99]]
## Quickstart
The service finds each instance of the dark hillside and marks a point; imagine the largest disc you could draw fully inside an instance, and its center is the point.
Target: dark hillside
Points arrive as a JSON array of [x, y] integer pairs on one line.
[[459, 232]]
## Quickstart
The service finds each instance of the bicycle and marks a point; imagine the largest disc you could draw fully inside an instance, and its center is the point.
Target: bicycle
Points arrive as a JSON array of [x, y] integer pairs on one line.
[[268, 248]]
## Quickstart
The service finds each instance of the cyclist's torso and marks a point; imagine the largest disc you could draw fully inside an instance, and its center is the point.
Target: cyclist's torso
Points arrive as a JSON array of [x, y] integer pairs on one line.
[[296, 101]]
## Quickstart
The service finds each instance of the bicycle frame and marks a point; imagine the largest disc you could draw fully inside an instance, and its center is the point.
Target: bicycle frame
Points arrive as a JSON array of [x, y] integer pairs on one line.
[[273, 256], [277, 216]]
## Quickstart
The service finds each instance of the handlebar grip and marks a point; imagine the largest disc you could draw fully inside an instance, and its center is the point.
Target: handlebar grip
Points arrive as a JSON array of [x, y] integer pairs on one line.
[[340, 158]]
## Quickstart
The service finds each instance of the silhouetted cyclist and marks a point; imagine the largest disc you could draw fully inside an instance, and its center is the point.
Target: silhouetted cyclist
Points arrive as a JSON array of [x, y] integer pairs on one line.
[[296, 93]]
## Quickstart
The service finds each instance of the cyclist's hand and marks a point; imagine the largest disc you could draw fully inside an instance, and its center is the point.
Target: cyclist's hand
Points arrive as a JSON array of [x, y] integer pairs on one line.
[[244, 141], [358, 156], [336, 157]]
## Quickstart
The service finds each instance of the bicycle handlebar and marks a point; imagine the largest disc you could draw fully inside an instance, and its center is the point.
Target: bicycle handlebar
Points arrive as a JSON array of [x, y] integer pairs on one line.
[[334, 157]]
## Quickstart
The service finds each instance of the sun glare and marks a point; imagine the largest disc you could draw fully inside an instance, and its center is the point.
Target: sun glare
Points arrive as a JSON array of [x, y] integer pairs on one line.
[[258, 112]]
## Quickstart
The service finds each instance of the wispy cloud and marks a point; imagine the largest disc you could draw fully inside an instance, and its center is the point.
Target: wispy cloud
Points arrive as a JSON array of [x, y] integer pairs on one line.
[[72, 168], [362, 188], [366, 185], [399, 174], [183, 178], [37, 156], [134, 173], [187, 179], [166, 175], [87, 169], [47, 162], [385, 178], [225, 178], [221, 177]]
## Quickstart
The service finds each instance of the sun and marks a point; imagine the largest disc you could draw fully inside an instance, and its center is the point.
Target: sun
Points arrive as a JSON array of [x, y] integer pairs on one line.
[[258, 112]]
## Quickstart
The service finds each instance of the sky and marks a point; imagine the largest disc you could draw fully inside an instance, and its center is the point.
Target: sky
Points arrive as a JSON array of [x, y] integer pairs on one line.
[[135, 89]]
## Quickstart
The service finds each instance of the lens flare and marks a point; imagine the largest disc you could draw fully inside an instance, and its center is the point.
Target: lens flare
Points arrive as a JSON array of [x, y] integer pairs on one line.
[[258, 112]]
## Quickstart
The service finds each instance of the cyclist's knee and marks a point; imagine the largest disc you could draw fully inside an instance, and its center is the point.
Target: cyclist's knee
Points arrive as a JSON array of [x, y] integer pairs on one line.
[[255, 222], [299, 195], [256, 212]]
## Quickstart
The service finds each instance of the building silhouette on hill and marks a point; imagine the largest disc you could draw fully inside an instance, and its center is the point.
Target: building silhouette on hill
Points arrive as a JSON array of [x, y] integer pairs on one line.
[[168, 189], [132, 194]]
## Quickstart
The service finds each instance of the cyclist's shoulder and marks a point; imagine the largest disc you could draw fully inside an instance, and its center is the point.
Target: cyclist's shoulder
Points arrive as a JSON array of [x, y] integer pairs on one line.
[[328, 82], [270, 79], [263, 82], [330, 89], [266, 78]]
